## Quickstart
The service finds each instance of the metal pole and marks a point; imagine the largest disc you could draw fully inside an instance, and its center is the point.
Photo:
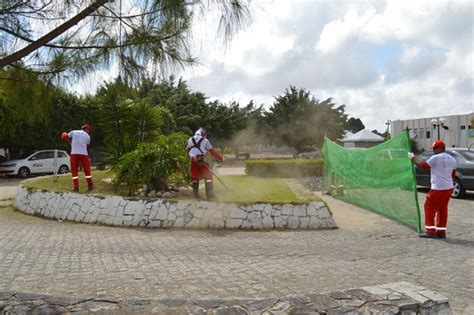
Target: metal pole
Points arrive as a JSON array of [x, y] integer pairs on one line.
[[55, 165]]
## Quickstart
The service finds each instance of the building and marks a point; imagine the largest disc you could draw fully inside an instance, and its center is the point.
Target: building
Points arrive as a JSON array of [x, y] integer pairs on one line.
[[362, 139], [455, 130]]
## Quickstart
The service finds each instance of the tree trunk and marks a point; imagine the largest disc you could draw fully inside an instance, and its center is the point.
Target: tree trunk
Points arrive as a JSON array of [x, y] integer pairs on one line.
[[158, 184], [16, 56]]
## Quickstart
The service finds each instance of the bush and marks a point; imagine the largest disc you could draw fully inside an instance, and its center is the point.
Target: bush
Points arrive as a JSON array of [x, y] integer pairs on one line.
[[154, 164], [284, 168]]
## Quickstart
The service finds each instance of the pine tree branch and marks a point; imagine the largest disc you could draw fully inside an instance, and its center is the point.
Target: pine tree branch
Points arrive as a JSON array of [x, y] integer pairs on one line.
[[51, 35]]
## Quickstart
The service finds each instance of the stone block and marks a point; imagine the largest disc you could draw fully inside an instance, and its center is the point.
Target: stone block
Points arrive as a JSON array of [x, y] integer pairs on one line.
[[267, 222], [311, 210], [304, 222], [237, 213], [300, 211], [256, 223], [293, 222], [132, 208], [232, 223], [162, 214], [182, 205], [324, 213], [287, 210], [268, 209], [315, 223], [435, 296]]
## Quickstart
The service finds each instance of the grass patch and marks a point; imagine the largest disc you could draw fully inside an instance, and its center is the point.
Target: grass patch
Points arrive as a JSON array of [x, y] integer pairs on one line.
[[64, 184], [249, 190], [242, 189]]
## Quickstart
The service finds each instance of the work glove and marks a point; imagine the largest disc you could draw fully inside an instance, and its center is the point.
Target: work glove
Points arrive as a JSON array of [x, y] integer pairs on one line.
[[411, 155]]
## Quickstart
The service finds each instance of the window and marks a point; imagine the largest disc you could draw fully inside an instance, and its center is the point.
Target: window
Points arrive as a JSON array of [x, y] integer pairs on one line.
[[43, 155], [463, 127], [62, 155], [428, 134], [421, 133]]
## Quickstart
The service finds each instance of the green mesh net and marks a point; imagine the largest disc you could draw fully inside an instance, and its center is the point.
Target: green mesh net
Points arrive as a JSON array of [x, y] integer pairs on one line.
[[380, 178]]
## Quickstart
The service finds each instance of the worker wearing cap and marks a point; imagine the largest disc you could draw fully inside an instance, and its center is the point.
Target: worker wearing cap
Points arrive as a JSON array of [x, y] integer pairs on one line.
[[443, 168], [80, 141], [197, 147]]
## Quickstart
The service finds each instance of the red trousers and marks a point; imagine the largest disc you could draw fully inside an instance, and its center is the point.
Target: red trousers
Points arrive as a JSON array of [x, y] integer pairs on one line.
[[436, 208], [86, 164], [199, 170]]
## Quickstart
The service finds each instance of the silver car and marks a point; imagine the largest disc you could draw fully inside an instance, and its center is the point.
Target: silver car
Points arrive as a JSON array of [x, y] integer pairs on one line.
[[39, 162]]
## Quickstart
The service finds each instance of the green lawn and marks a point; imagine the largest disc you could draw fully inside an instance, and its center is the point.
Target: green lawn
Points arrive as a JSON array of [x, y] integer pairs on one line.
[[242, 189]]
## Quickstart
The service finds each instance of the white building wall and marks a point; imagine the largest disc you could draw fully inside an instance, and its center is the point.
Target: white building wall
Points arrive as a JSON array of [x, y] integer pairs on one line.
[[459, 134]]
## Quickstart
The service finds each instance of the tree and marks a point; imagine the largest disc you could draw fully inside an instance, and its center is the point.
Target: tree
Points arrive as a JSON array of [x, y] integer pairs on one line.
[[297, 119], [84, 36], [191, 110], [32, 113], [354, 125]]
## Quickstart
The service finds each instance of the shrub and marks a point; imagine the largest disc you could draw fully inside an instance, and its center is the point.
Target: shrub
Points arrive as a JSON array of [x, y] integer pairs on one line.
[[154, 164], [284, 168]]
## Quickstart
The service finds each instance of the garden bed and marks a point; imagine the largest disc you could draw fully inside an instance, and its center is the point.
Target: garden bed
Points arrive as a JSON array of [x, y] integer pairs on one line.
[[250, 203], [242, 189]]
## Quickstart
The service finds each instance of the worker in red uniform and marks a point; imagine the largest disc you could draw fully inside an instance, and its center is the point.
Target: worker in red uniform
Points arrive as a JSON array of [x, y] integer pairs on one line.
[[197, 147], [80, 141], [443, 168]]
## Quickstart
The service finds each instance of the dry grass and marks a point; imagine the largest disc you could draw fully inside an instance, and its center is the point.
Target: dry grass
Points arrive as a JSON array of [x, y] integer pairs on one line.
[[241, 189]]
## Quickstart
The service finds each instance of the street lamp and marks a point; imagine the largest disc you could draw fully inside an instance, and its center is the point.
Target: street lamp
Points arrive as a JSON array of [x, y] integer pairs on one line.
[[438, 124], [387, 133]]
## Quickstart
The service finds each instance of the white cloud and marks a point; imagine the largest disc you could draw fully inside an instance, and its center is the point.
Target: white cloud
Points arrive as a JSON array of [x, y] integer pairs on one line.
[[383, 59], [335, 33]]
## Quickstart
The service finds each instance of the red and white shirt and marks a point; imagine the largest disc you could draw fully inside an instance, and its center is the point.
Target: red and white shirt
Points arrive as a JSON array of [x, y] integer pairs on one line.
[[79, 141], [204, 146], [441, 167]]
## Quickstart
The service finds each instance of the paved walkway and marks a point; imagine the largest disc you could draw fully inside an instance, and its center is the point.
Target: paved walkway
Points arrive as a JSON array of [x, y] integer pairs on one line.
[[50, 257]]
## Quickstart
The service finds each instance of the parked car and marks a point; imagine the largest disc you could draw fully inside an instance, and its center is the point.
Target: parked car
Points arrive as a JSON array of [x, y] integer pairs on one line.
[[310, 154], [39, 162], [2, 159], [464, 179]]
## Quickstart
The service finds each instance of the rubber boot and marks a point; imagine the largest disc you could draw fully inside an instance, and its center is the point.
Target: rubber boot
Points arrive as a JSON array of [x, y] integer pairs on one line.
[[196, 190], [209, 190]]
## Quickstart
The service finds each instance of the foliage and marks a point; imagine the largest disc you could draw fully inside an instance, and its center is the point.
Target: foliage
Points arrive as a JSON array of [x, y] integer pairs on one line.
[[153, 32], [154, 163], [297, 119], [33, 113], [284, 167], [123, 121], [191, 111]]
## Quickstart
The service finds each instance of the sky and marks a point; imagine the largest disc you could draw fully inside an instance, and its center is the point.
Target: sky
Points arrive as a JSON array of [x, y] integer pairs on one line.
[[384, 60]]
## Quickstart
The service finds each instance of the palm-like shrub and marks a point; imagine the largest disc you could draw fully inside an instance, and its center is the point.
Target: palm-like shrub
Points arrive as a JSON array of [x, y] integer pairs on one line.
[[154, 164]]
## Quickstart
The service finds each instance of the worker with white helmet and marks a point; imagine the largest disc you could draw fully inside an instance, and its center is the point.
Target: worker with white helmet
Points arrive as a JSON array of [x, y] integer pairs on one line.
[[197, 147]]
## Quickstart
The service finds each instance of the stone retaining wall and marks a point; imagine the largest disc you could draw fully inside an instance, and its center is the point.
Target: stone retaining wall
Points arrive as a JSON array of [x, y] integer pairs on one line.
[[395, 298], [164, 213]]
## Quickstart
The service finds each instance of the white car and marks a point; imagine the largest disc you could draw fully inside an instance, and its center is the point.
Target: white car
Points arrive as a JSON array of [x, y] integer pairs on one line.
[[39, 162]]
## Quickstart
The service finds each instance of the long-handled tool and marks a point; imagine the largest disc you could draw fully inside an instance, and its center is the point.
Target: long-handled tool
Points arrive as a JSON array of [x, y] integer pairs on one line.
[[220, 180]]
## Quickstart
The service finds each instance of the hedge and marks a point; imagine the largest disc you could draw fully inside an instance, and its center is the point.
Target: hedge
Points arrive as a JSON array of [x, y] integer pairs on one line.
[[284, 167]]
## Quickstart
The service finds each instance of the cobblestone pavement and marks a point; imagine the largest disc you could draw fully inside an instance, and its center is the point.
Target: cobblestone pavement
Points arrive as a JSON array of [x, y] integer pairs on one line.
[[67, 259]]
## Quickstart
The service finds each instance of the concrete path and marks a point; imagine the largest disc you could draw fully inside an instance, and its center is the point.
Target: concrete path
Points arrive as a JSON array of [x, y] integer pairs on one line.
[[58, 258]]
